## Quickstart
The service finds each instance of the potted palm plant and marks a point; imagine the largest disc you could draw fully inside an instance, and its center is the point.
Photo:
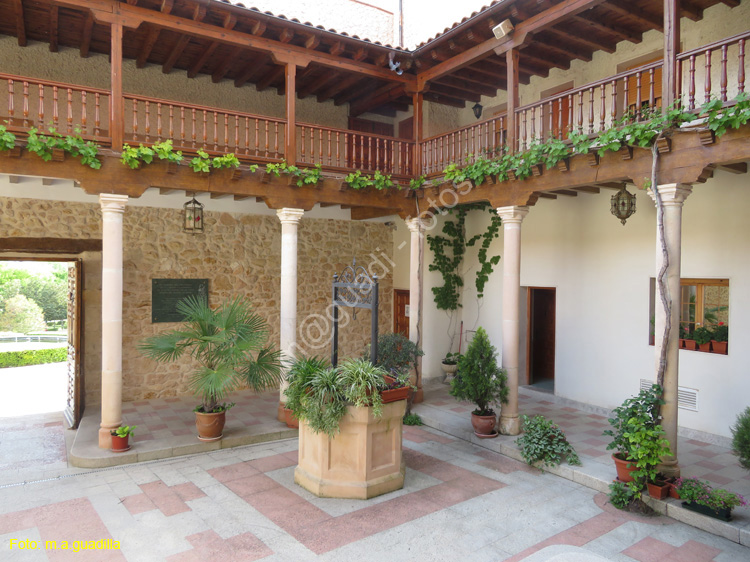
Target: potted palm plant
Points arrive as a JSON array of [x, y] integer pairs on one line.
[[480, 380], [229, 344]]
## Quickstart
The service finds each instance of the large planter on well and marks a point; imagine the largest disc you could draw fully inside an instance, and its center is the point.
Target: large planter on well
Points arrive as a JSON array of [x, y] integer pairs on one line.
[[210, 426], [723, 514], [362, 461], [623, 472], [484, 426]]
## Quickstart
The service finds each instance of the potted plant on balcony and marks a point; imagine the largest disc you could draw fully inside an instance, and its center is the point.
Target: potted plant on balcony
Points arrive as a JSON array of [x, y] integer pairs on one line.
[[719, 338], [120, 436], [702, 336], [640, 414], [341, 411], [480, 380], [228, 343], [700, 497]]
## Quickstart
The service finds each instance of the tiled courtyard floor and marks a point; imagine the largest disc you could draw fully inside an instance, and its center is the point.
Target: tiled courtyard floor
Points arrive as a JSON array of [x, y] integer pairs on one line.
[[460, 502]]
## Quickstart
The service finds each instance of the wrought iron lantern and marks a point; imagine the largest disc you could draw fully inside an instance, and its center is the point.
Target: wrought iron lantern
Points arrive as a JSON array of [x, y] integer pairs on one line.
[[623, 205], [193, 217], [477, 109]]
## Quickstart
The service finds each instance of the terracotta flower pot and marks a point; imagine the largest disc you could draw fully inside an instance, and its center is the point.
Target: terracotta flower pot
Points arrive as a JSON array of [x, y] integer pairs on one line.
[[719, 347], [623, 472], [673, 493], [484, 426], [210, 426], [658, 491], [290, 419], [704, 347], [690, 344], [120, 444]]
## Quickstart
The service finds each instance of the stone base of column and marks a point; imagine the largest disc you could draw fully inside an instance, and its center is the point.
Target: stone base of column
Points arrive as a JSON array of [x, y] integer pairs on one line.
[[280, 412], [105, 437], [510, 425], [670, 469], [418, 396]]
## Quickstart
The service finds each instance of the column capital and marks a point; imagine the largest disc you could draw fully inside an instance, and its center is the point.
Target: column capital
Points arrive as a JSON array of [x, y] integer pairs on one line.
[[513, 214], [289, 216], [113, 202], [672, 193], [415, 225]]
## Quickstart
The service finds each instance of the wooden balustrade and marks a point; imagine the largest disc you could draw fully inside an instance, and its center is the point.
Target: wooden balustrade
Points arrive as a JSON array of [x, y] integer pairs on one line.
[[482, 139], [342, 149], [29, 102], [711, 66], [592, 108], [195, 127]]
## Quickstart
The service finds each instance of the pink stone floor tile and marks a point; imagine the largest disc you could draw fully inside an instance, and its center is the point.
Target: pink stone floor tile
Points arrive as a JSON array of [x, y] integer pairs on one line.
[[208, 545], [165, 498], [649, 550], [138, 503], [234, 472], [717, 478], [694, 551], [275, 462]]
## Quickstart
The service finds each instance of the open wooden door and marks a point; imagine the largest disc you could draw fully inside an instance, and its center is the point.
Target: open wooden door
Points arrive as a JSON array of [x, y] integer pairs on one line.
[[541, 336], [74, 404], [400, 311]]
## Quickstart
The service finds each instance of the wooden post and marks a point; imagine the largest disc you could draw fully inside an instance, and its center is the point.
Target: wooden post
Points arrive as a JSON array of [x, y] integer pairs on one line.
[[669, 88], [290, 136], [116, 102], [511, 61], [416, 161]]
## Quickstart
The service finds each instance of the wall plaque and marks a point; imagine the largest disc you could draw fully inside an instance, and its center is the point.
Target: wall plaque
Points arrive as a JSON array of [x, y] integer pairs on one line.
[[166, 293]]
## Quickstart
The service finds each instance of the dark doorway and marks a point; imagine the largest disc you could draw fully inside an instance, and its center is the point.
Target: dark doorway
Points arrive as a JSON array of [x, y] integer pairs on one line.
[[541, 337], [400, 307]]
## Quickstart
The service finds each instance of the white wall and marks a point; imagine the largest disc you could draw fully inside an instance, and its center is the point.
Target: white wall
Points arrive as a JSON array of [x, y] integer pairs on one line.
[[601, 271]]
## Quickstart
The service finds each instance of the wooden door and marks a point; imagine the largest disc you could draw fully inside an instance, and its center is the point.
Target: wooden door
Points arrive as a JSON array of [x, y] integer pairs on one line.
[[541, 334], [74, 404], [561, 118], [400, 305], [405, 131]]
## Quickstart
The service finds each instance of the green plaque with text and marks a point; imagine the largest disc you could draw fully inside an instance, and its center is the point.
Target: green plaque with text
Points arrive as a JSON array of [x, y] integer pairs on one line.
[[166, 293]]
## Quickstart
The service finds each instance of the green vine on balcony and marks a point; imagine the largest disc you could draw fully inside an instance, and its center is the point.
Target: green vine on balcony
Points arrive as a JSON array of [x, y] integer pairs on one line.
[[448, 253], [304, 176], [7, 139], [44, 145], [357, 180], [203, 162]]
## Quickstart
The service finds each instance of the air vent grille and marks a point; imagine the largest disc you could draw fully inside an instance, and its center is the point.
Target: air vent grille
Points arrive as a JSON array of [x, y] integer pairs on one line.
[[687, 398]]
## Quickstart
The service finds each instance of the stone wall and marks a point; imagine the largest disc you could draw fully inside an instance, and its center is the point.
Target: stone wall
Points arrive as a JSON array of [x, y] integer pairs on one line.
[[239, 253]]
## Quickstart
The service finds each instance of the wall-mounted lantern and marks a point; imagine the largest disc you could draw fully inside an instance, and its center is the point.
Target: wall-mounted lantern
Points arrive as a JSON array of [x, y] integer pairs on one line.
[[477, 109], [193, 217]]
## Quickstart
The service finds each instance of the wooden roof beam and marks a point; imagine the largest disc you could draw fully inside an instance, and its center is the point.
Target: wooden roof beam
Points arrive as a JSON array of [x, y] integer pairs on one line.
[[334, 89], [587, 189], [152, 36], [316, 84], [620, 33], [543, 62], [286, 35], [54, 29], [198, 14], [249, 71], [88, 31], [470, 86], [258, 28], [591, 42], [691, 11], [471, 77], [337, 48], [567, 192], [274, 74], [230, 20], [352, 90], [384, 95], [567, 50], [455, 92], [225, 65], [637, 15], [445, 100], [20, 25], [312, 41], [544, 195]]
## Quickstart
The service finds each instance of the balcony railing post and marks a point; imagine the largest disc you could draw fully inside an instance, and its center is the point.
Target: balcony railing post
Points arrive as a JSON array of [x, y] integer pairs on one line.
[[416, 161], [669, 86], [116, 102], [290, 131], [511, 61]]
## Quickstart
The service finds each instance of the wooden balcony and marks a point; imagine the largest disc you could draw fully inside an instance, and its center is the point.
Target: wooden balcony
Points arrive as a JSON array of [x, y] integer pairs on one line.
[[718, 69]]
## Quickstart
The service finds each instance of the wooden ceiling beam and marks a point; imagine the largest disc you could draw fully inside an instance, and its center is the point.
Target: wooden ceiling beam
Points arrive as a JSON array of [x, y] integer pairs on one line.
[[258, 28], [731, 3], [467, 85], [445, 100], [587, 189], [614, 31], [312, 41], [54, 29], [471, 77], [455, 92], [20, 25], [360, 54], [230, 20], [316, 84], [88, 31], [691, 11], [567, 192], [225, 65], [337, 48], [566, 50], [591, 42], [547, 195], [249, 72], [636, 15], [363, 213], [286, 35], [198, 14], [152, 36], [241, 197], [534, 24], [740, 168], [269, 77], [334, 89], [542, 62], [133, 17], [379, 97]]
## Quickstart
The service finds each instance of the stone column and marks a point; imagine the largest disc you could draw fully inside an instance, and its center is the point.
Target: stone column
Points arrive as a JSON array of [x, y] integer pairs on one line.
[[416, 284], [288, 302], [511, 217], [113, 208], [672, 196]]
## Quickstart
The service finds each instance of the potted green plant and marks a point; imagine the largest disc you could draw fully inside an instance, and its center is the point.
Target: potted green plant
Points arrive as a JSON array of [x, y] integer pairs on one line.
[[450, 365], [340, 410], [398, 355], [229, 344], [480, 380], [647, 445], [702, 336], [699, 496], [299, 376], [639, 413], [120, 436], [741, 438], [719, 338]]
